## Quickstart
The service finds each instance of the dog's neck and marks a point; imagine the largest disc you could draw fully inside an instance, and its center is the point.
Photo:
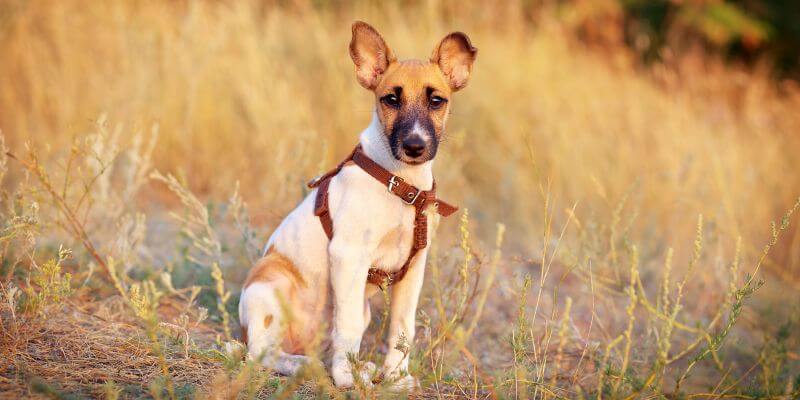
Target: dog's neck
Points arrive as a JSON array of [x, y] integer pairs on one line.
[[376, 146]]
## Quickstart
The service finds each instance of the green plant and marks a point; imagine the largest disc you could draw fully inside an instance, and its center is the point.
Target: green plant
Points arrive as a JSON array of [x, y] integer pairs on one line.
[[47, 284]]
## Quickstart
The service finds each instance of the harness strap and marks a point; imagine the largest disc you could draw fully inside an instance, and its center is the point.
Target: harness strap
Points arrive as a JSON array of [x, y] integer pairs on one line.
[[408, 193]]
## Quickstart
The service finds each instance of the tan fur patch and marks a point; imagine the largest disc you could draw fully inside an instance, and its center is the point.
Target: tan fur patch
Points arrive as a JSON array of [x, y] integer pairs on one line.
[[301, 307], [274, 266], [244, 334]]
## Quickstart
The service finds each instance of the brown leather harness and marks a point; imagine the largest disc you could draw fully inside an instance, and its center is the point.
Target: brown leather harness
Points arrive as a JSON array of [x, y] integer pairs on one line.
[[406, 192]]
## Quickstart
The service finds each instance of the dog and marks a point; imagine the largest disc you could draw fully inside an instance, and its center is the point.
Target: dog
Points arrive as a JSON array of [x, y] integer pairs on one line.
[[365, 224]]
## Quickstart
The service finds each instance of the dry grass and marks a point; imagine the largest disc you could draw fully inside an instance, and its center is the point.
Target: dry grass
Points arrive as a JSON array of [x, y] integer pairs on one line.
[[77, 349], [604, 283]]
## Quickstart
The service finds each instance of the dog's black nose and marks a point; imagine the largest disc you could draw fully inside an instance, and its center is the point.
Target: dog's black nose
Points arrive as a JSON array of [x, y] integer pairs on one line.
[[414, 146]]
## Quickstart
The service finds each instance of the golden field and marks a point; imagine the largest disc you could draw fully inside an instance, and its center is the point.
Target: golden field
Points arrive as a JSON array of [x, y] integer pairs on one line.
[[635, 202]]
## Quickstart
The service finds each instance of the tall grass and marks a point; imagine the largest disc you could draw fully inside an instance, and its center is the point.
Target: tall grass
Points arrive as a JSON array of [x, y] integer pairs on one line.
[[632, 202]]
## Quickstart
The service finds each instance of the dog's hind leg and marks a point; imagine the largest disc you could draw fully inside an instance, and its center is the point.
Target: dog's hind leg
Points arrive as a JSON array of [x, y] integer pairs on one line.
[[265, 324]]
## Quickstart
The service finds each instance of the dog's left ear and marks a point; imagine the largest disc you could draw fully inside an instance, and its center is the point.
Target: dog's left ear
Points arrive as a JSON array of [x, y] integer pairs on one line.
[[455, 55]]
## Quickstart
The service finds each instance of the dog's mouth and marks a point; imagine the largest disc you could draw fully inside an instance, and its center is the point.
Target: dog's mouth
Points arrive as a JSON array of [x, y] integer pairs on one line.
[[412, 155], [413, 161]]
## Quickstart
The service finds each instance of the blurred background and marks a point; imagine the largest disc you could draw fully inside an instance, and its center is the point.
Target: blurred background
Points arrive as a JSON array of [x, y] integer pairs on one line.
[[619, 121], [681, 107]]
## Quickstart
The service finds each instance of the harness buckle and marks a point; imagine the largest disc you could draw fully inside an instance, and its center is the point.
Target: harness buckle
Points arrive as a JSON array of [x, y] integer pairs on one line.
[[413, 200], [392, 183], [409, 198]]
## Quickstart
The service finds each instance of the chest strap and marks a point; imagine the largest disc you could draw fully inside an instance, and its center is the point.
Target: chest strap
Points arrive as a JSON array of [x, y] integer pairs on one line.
[[409, 194]]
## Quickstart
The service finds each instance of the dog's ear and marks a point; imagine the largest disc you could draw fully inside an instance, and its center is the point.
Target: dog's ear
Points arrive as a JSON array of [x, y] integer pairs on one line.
[[454, 55], [370, 54]]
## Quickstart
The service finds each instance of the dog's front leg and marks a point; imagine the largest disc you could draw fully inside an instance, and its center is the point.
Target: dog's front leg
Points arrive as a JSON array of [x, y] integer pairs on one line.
[[405, 295], [349, 266]]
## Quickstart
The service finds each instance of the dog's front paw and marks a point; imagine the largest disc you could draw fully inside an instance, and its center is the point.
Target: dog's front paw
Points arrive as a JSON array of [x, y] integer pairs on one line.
[[344, 378], [400, 381], [405, 383]]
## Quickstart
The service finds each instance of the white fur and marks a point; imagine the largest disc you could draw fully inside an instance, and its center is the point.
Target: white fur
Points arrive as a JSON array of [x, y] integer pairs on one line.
[[417, 130], [372, 228]]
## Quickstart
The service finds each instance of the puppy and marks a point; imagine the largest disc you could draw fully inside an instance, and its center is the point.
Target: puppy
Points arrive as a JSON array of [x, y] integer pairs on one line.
[[366, 223]]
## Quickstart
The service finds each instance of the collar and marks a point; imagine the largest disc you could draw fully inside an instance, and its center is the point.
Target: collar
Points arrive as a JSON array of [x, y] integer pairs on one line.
[[407, 193]]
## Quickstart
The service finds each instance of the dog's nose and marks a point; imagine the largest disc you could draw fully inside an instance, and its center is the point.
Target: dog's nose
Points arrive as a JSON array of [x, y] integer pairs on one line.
[[414, 146]]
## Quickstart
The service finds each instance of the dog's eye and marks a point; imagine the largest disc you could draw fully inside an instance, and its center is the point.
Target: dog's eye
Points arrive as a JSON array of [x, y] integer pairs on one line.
[[391, 100], [437, 102]]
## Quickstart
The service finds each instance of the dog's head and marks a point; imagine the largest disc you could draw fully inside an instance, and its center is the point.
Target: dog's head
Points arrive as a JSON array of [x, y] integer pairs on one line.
[[412, 96]]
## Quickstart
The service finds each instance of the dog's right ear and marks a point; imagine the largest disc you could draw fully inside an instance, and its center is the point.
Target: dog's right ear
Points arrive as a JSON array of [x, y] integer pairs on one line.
[[370, 54]]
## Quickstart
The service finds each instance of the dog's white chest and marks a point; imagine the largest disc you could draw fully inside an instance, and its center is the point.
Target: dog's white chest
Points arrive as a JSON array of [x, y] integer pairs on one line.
[[394, 248]]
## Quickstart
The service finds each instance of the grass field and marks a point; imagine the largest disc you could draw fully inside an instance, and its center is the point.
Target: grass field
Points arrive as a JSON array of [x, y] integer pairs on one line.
[[616, 241]]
